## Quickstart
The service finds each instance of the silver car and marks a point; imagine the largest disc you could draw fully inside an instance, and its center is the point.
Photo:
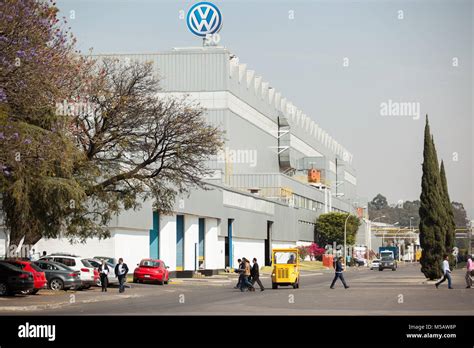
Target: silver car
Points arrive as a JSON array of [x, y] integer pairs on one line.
[[111, 277]]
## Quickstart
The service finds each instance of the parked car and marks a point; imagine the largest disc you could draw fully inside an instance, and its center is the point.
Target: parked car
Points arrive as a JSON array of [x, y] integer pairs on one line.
[[375, 264], [14, 280], [77, 264], [96, 263], [59, 276], [108, 259], [39, 278], [150, 270], [360, 262]]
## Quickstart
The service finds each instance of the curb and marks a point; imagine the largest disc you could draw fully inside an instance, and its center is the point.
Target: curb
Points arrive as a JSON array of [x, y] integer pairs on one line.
[[62, 304]]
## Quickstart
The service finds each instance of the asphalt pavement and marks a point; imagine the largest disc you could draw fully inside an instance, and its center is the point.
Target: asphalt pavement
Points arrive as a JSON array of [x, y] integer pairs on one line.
[[403, 292]]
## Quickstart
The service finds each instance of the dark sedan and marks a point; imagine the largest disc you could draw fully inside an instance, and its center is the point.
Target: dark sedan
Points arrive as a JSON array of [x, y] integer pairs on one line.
[[59, 276], [13, 280]]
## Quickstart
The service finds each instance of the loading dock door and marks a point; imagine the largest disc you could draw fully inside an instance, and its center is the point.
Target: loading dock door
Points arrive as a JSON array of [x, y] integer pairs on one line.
[[155, 237], [268, 244], [179, 242]]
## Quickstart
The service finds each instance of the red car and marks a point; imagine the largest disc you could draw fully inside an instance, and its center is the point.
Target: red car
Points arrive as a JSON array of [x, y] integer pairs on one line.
[[150, 270], [39, 277]]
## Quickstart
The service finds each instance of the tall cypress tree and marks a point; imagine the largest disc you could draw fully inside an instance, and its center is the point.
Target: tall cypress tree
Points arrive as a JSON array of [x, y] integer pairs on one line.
[[431, 211], [450, 224]]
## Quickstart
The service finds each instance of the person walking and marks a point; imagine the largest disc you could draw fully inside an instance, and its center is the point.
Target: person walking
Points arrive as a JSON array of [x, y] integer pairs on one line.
[[104, 272], [469, 272], [339, 268], [121, 270], [255, 273], [446, 273], [239, 270], [244, 282]]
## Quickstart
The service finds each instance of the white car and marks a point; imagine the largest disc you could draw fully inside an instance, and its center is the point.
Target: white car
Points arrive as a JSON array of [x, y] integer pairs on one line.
[[111, 277], [375, 264], [77, 264]]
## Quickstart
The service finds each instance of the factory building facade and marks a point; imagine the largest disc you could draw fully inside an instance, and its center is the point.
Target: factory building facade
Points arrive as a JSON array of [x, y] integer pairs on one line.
[[277, 172]]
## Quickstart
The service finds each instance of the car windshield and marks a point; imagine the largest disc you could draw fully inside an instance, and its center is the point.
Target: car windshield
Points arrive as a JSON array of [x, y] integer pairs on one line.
[[95, 263], [386, 257], [86, 264], [285, 257], [9, 266], [36, 268], [107, 259], [150, 263]]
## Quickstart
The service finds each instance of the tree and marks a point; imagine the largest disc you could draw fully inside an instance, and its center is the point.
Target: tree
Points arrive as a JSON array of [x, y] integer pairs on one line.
[[136, 145], [315, 251], [431, 211], [330, 228], [379, 202], [460, 215], [449, 225], [39, 66], [67, 170]]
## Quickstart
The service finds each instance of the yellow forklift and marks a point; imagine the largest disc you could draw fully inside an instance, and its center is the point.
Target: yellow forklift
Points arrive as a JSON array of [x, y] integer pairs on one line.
[[286, 267]]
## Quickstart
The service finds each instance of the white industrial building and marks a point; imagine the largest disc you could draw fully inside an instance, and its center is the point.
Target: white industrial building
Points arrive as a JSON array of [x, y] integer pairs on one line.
[[260, 197]]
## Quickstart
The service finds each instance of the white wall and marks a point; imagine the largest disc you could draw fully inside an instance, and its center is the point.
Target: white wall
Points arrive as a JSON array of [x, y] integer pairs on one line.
[[168, 240], [213, 250], [282, 245], [191, 237], [132, 246], [221, 252], [248, 248], [92, 247]]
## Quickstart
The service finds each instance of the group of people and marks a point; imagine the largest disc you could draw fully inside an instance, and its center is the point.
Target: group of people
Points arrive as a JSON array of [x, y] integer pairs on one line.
[[248, 275], [447, 273], [121, 271]]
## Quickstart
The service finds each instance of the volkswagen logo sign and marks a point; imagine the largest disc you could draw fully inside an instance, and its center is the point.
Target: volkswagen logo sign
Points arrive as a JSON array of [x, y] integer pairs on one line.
[[204, 18]]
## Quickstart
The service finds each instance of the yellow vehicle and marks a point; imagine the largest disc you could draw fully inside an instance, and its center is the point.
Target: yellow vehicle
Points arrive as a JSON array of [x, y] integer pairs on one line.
[[286, 267]]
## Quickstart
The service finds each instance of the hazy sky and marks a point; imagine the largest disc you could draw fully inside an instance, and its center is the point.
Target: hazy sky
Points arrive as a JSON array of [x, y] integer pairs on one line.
[[408, 59]]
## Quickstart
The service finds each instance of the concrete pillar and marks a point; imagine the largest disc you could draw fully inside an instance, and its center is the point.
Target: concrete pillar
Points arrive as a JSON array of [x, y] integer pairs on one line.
[[168, 240], [191, 237], [212, 252]]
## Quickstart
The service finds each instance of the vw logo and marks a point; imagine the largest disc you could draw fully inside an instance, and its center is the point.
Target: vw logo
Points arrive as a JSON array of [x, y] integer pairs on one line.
[[204, 18]]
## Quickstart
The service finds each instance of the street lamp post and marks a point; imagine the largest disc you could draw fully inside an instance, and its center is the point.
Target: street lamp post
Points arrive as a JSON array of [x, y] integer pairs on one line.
[[411, 217], [345, 237]]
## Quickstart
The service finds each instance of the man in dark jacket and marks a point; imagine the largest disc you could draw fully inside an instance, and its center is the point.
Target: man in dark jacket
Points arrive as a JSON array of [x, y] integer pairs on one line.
[[339, 267], [121, 270], [239, 271], [255, 273]]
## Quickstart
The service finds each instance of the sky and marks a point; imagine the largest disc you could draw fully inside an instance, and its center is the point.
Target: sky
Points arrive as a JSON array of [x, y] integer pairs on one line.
[[344, 63]]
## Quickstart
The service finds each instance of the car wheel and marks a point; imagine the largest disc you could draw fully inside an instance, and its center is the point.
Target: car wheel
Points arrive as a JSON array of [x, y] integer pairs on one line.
[[98, 282], [87, 287], [3, 289], [380, 269], [394, 269], [274, 286], [34, 291], [135, 280], [161, 282], [167, 280], [56, 284]]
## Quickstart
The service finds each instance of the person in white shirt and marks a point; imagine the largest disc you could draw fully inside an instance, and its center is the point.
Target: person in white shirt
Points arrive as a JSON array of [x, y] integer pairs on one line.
[[104, 272], [446, 272], [469, 271]]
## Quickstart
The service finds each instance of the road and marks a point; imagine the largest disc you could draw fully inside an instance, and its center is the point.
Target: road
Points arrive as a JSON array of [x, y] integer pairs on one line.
[[404, 292]]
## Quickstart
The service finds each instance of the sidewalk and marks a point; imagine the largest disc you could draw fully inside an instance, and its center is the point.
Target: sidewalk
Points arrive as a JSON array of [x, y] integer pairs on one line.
[[48, 299]]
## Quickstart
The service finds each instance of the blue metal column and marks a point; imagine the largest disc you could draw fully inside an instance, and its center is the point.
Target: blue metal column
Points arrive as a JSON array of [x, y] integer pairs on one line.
[[155, 237]]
